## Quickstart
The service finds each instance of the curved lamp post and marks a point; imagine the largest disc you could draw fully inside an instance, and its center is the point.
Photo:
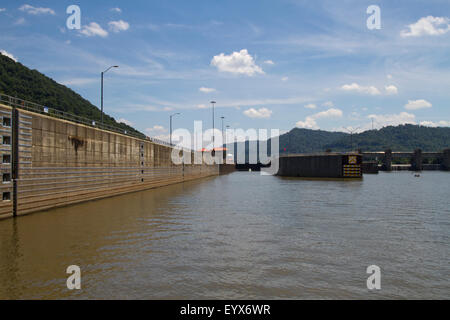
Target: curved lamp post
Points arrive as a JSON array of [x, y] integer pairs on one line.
[[102, 90]]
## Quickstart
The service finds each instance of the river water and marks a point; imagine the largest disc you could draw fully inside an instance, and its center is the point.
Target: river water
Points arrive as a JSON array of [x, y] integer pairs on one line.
[[240, 236]]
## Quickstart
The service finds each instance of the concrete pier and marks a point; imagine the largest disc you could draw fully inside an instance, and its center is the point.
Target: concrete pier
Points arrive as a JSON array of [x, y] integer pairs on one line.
[[328, 165], [446, 160], [387, 160], [416, 160]]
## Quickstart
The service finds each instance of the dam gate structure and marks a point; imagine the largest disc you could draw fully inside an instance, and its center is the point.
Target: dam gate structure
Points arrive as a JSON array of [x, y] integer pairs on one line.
[[50, 158]]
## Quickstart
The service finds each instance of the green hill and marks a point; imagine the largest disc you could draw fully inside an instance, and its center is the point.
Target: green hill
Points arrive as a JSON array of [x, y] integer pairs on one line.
[[19, 81], [400, 138]]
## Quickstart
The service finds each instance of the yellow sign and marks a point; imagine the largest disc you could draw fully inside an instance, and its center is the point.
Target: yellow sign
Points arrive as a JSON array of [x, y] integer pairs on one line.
[[352, 160]]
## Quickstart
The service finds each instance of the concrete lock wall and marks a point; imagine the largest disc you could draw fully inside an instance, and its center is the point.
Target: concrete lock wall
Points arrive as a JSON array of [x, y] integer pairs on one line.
[[329, 166], [321, 166], [60, 163]]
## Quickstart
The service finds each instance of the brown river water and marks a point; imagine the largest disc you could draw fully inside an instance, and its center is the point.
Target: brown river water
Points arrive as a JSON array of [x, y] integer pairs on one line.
[[240, 236]]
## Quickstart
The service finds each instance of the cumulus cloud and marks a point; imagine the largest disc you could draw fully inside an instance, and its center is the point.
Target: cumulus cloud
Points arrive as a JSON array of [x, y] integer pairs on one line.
[[93, 29], [391, 89], [237, 63], [78, 81], [328, 104], [284, 79], [206, 90], [269, 62], [155, 129], [117, 26], [36, 11], [125, 121], [310, 106], [118, 10], [383, 120], [361, 89], [7, 54], [260, 113], [20, 21], [417, 104], [310, 122], [441, 123], [430, 25]]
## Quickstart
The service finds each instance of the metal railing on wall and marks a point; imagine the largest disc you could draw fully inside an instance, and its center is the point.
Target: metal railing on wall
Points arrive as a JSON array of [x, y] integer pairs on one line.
[[37, 108]]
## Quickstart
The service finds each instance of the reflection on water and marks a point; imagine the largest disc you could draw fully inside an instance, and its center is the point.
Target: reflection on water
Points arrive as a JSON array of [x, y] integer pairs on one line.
[[239, 236]]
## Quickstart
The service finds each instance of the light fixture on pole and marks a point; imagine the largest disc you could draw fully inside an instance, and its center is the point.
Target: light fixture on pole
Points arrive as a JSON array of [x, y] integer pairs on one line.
[[172, 115], [102, 91], [351, 136], [222, 128]]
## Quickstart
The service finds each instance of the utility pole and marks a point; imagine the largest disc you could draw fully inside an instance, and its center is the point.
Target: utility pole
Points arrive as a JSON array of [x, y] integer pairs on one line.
[[102, 92], [351, 131], [222, 129]]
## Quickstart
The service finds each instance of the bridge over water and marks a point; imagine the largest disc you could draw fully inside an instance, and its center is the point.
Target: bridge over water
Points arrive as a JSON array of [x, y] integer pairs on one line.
[[416, 157]]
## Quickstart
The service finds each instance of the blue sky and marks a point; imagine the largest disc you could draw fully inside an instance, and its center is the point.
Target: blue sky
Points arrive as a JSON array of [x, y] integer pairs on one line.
[[268, 64]]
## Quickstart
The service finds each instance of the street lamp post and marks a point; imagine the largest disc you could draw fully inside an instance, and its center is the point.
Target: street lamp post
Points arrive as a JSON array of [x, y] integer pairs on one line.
[[172, 115], [351, 136], [213, 103], [222, 128], [102, 91]]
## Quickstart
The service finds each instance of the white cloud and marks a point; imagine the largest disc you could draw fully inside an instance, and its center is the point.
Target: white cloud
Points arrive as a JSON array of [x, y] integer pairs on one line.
[[361, 89], [391, 89], [311, 123], [127, 122], [260, 113], [117, 26], [284, 79], [382, 120], [78, 81], [20, 21], [237, 63], [118, 10], [430, 25], [206, 90], [310, 106], [7, 54], [93, 29], [36, 11], [417, 104], [269, 62], [328, 104], [441, 123], [2, 9], [202, 106], [155, 129]]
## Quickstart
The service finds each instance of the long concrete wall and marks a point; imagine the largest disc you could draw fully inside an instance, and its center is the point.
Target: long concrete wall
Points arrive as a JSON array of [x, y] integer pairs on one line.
[[321, 166], [60, 163]]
